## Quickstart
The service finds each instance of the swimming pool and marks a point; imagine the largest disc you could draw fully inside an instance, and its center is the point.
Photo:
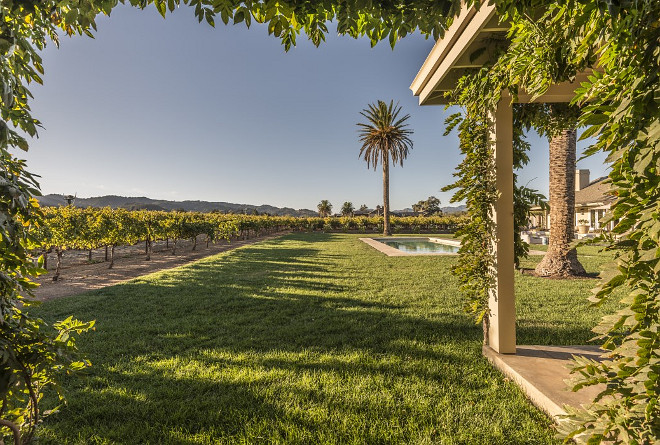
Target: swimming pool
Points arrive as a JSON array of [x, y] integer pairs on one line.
[[400, 246]]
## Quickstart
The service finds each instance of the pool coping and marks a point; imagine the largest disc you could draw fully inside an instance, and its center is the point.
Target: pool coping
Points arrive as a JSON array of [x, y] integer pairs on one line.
[[393, 251]]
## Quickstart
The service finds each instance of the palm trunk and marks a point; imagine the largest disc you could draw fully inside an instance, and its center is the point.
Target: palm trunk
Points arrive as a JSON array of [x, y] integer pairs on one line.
[[386, 197], [561, 259]]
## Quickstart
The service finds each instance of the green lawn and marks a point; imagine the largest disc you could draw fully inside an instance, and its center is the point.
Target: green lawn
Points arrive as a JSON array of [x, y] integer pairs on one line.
[[310, 338]]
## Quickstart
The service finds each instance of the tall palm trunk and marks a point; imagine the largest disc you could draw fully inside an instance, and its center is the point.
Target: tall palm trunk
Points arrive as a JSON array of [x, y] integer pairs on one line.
[[561, 260], [386, 197]]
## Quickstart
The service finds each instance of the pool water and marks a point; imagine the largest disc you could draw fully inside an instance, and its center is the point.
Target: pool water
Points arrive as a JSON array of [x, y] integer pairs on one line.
[[419, 246]]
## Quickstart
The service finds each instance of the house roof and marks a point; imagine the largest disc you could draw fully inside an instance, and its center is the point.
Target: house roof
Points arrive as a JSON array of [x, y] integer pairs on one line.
[[596, 192]]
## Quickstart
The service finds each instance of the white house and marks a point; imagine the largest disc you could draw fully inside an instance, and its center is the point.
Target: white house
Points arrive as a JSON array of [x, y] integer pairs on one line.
[[592, 201]]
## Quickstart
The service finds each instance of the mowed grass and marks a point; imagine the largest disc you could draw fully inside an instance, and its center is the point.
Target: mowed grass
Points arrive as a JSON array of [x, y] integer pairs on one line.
[[309, 338]]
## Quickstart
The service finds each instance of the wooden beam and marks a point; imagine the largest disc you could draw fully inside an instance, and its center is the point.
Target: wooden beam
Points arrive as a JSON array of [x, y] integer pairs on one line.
[[556, 93]]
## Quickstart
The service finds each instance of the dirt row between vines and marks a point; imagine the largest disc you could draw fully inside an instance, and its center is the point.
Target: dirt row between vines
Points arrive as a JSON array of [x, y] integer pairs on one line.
[[79, 275]]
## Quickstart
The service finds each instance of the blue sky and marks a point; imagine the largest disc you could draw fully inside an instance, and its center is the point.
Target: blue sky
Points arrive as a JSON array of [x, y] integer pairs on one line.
[[174, 109]]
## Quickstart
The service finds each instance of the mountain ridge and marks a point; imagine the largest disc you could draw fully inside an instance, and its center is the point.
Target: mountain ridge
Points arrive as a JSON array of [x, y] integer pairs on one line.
[[144, 203]]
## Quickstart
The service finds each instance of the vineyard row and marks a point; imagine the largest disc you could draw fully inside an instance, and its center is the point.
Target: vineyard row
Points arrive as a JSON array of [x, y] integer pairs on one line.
[[66, 228]]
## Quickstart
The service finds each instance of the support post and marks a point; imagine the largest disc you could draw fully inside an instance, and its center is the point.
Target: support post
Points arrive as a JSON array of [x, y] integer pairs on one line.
[[502, 302]]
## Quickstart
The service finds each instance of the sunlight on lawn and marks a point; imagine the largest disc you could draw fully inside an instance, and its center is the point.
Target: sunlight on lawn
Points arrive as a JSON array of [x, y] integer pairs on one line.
[[310, 338]]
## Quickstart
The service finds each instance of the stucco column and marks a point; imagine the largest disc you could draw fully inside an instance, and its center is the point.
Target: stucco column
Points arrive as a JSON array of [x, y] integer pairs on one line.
[[502, 302]]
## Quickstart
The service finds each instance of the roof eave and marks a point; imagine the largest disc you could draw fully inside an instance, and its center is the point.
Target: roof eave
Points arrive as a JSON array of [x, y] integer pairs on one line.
[[451, 53]]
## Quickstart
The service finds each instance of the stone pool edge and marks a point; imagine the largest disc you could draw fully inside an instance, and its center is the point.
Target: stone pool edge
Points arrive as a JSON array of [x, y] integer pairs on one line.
[[393, 251]]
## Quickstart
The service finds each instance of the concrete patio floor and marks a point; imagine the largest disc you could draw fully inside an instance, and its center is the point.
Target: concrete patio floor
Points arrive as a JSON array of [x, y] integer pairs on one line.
[[542, 371]]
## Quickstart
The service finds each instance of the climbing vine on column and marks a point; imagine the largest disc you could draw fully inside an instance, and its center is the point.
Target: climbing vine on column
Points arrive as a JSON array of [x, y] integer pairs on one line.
[[476, 187]]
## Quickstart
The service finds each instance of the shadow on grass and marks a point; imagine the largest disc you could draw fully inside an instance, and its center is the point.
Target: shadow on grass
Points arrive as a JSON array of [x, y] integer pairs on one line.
[[532, 273], [529, 333], [245, 343]]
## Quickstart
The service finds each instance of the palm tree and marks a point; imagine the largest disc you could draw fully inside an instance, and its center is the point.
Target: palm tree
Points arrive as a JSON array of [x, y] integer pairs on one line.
[[561, 258], [347, 209], [324, 208], [384, 136]]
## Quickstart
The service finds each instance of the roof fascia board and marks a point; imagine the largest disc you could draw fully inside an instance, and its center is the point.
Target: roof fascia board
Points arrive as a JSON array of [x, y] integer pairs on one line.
[[453, 49], [441, 48]]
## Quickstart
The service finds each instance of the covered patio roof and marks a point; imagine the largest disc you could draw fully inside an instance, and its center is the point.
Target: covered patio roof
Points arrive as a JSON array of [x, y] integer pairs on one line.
[[469, 43]]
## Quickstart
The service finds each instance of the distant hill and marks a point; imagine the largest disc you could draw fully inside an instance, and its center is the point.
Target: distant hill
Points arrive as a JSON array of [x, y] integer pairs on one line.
[[143, 203], [140, 203]]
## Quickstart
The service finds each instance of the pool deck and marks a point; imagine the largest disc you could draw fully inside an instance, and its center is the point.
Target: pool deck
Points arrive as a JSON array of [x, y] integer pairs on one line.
[[393, 251], [542, 372]]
